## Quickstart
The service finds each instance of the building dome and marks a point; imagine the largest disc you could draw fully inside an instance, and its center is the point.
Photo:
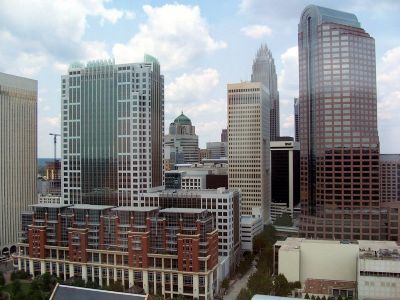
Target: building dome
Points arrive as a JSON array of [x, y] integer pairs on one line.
[[182, 120]]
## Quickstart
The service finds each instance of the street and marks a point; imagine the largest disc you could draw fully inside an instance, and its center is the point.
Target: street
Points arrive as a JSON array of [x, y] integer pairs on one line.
[[234, 290]]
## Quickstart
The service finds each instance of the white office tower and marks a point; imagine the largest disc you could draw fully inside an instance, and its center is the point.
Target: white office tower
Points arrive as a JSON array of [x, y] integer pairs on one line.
[[112, 132], [18, 155], [248, 146]]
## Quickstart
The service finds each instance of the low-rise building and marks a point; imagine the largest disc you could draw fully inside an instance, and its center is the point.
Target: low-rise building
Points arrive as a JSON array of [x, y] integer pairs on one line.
[[333, 268], [170, 251], [378, 270], [250, 226]]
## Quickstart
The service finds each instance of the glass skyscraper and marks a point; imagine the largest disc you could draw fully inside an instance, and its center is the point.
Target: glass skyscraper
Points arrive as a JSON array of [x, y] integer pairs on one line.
[[338, 127], [112, 131], [264, 71]]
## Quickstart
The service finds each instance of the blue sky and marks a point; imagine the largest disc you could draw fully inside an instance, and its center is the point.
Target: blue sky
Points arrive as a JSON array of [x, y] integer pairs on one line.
[[201, 46]]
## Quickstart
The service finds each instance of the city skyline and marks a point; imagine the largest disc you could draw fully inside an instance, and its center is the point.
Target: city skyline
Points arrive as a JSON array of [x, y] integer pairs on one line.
[[196, 77]]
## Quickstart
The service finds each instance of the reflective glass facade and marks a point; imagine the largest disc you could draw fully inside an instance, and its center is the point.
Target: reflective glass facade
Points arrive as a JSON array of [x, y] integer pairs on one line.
[[112, 135], [338, 127]]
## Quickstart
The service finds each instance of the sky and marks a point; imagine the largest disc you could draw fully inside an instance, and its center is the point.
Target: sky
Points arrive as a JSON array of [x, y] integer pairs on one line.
[[201, 46]]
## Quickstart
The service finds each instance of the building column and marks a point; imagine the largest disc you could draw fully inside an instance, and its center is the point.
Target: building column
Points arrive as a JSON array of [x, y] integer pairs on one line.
[[100, 277], [211, 284], [19, 263], [71, 270], [196, 289], [84, 273], [115, 275], [291, 181], [65, 271], [123, 277], [58, 269], [131, 281], [108, 276], [42, 267], [146, 281], [93, 277], [163, 283], [180, 283], [25, 266], [31, 271]]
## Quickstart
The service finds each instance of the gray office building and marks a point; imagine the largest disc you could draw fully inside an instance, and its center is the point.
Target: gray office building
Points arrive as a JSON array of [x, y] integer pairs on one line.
[[18, 153], [112, 131]]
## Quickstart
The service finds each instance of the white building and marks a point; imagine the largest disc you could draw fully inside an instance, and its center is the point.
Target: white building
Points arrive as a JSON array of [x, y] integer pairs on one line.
[[378, 273], [112, 131], [250, 226], [248, 145], [333, 268], [224, 204], [18, 154]]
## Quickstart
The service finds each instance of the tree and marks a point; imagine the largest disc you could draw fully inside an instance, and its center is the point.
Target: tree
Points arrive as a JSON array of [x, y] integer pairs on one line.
[[318, 298], [260, 283], [92, 285], [45, 281], [15, 287], [2, 280], [323, 298], [306, 296], [340, 298], [244, 294], [79, 282], [281, 285], [115, 286], [284, 220], [295, 285], [313, 297], [225, 283]]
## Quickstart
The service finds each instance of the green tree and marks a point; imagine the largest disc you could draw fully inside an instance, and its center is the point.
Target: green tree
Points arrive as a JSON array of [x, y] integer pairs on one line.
[[45, 281], [323, 298], [115, 286], [79, 282], [15, 287], [318, 298], [306, 296], [2, 279], [281, 285], [244, 294], [313, 297], [295, 285], [225, 283], [340, 298], [284, 220], [92, 285], [260, 283]]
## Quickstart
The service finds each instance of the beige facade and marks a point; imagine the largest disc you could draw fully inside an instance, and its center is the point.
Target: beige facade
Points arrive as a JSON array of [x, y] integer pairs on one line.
[[18, 153], [248, 145]]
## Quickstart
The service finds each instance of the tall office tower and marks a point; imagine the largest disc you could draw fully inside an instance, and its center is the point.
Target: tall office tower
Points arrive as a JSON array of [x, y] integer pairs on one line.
[[217, 149], [182, 137], [248, 145], [264, 71], [296, 120], [18, 154], [224, 135], [112, 131], [338, 127], [390, 178]]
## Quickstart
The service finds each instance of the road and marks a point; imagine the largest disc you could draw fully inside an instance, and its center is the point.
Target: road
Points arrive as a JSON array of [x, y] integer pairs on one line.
[[234, 290]]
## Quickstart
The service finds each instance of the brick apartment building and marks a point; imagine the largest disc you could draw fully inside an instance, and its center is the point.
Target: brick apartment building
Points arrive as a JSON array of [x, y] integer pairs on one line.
[[170, 251]]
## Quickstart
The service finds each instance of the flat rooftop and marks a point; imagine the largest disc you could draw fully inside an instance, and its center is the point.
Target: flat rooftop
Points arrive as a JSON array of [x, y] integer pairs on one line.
[[89, 206], [64, 292], [134, 208], [183, 210], [49, 205]]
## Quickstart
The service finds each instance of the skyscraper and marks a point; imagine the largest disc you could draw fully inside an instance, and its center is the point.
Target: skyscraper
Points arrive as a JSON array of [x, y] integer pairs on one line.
[[296, 120], [264, 72], [224, 135], [248, 145], [338, 127], [183, 140], [18, 153], [112, 131]]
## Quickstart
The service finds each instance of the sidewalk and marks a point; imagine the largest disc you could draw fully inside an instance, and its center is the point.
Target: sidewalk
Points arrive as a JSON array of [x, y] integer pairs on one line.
[[234, 289]]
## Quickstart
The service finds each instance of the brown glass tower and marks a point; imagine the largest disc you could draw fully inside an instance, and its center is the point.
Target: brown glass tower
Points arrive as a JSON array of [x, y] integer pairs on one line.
[[338, 127]]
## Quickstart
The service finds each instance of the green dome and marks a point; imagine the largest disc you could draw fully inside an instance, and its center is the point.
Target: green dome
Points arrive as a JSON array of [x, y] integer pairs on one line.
[[182, 120]]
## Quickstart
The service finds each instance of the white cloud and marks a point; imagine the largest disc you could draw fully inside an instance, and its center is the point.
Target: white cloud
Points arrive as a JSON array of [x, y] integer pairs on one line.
[[176, 34], [256, 31], [189, 87], [50, 32], [288, 85], [52, 121], [388, 75]]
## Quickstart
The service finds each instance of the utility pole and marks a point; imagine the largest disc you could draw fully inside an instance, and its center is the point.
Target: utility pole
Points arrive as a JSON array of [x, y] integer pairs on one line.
[[55, 135]]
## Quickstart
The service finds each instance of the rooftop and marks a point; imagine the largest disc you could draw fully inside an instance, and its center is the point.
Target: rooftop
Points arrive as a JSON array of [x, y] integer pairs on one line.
[[389, 157], [183, 210], [328, 15], [92, 207], [49, 205], [182, 120], [64, 292], [135, 208]]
